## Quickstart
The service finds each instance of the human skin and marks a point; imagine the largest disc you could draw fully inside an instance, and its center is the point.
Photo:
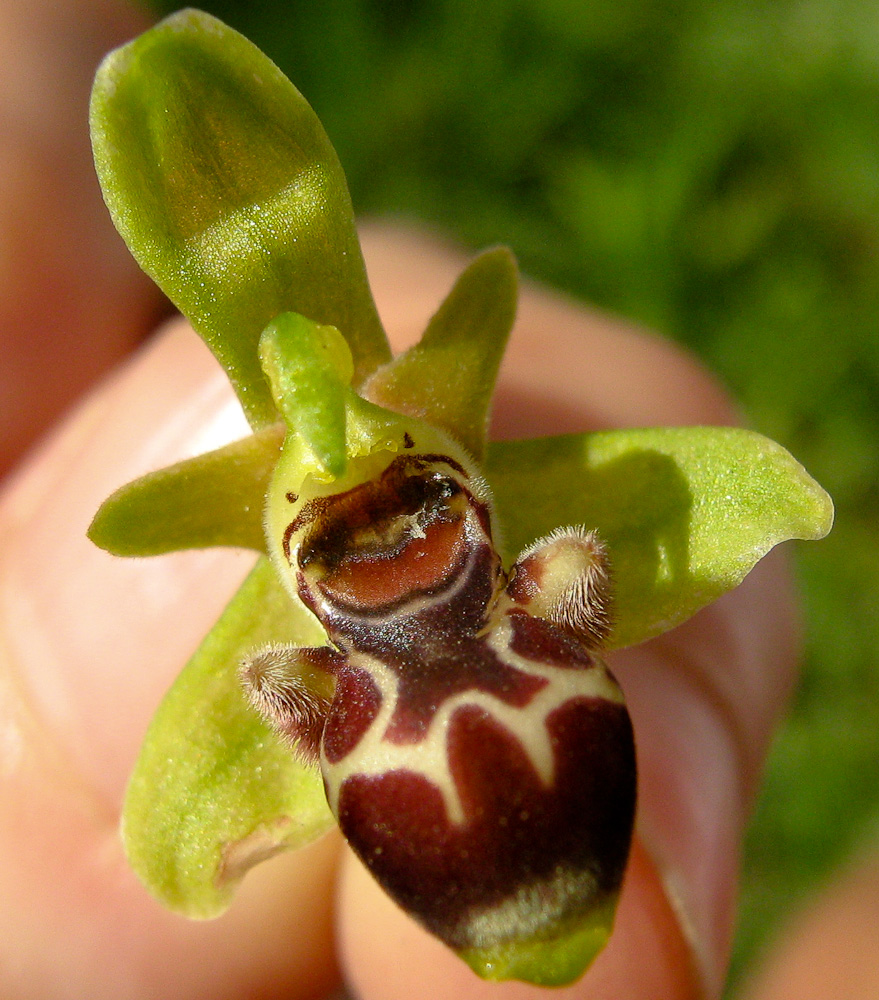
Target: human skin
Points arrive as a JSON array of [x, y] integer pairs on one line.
[[60, 328], [89, 643]]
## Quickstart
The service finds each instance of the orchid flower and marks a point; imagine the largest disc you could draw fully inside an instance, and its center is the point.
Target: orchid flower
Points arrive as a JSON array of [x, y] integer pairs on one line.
[[417, 654]]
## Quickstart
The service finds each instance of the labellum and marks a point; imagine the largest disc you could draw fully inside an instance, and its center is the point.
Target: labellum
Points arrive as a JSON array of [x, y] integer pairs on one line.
[[476, 752]]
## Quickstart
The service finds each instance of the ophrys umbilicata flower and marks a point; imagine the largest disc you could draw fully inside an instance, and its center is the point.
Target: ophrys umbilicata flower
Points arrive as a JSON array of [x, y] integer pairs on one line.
[[419, 630]]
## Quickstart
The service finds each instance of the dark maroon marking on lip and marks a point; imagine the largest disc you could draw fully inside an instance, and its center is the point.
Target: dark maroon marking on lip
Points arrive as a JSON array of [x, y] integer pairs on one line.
[[432, 459], [483, 513], [525, 583], [421, 565], [537, 639], [285, 539], [311, 511], [548, 853], [595, 756], [325, 658], [291, 496], [587, 811], [447, 617], [517, 833], [429, 677], [309, 600], [356, 703], [396, 492], [407, 440]]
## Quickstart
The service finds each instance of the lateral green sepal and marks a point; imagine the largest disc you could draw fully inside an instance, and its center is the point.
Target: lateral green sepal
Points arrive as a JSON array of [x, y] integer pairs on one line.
[[214, 791], [686, 512]]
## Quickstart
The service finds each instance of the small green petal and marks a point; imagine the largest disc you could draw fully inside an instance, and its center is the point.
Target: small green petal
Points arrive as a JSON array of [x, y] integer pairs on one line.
[[309, 368], [213, 499], [685, 512], [214, 792], [448, 377], [226, 189]]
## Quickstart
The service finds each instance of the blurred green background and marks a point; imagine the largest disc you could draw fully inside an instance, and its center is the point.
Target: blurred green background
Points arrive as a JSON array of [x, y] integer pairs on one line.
[[710, 168]]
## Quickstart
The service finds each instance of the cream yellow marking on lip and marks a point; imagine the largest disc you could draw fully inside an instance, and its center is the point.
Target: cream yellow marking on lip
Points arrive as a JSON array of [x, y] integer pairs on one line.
[[374, 755], [599, 684]]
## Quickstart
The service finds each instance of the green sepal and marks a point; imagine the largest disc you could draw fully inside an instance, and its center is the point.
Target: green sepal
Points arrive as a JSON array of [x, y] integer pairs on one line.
[[224, 185], [686, 512], [448, 377], [214, 791], [309, 368], [212, 499]]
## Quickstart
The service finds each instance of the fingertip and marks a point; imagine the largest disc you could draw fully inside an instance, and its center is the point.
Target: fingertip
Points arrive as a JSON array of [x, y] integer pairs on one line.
[[93, 641], [73, 301], [385, 955], [89, 645]]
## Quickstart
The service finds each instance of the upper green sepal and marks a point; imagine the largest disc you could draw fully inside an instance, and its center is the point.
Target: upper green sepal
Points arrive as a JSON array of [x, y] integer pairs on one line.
[[226, 189]]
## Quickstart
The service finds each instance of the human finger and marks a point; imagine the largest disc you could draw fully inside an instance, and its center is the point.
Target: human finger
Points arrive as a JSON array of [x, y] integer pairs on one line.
[[88, 644], [703, 699], [72, 301]]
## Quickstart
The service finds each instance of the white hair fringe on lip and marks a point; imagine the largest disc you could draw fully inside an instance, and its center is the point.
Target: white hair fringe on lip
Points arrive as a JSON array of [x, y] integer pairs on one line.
[[270, 676], [583, 604]]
